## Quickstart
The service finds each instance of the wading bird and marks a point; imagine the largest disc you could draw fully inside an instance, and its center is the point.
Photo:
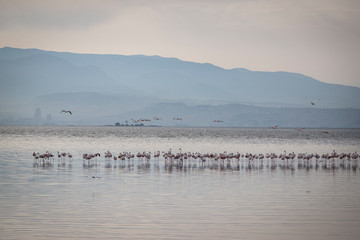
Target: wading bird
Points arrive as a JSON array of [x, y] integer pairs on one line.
[[313, 102], [66, 111]]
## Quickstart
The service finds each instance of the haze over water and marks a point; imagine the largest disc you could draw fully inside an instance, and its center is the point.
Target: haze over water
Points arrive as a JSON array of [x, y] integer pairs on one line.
[[137, 200]]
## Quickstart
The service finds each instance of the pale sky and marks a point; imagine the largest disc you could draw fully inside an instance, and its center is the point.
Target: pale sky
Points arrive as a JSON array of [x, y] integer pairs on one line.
[[318, 38]]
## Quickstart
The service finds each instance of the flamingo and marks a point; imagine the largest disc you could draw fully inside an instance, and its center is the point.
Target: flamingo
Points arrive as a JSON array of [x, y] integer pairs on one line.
[[313, 102], [66, 111], [157, 154]]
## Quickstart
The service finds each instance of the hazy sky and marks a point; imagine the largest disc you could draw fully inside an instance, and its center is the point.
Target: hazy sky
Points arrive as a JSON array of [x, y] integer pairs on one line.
[[319, 38]]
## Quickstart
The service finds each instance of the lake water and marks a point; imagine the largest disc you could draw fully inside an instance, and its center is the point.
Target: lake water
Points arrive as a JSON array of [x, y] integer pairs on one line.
[[153, 199]]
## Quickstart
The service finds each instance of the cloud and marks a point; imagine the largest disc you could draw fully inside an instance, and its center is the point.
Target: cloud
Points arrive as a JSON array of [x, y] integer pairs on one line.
[[226, 13], [64, 14]]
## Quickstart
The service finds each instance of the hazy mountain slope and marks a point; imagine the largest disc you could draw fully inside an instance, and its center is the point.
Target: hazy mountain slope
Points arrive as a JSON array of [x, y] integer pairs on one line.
[[28, 77], [102, 89], [176, 79], [208, 81]]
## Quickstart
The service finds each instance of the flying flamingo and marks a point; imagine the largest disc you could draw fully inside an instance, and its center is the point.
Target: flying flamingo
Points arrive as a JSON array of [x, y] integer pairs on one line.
[[141, 120], [274, 127], [313, 102], [66, 111]]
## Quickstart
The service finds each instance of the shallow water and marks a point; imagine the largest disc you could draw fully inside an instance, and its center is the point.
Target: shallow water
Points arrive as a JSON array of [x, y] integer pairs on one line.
[[137, 200]]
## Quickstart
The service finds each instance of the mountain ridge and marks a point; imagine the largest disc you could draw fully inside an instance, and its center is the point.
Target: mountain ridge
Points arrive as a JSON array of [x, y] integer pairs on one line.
[[28, 74], [254, 87]]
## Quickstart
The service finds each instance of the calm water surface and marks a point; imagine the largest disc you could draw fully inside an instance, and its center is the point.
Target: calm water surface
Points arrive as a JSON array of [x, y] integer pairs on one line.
[[136, 200]]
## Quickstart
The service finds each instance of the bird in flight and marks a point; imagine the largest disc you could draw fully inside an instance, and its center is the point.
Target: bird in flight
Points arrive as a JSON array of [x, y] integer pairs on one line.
[[177, 118], [141, 120], [313, 102], [66, 111], [218, 121], [274, 127]]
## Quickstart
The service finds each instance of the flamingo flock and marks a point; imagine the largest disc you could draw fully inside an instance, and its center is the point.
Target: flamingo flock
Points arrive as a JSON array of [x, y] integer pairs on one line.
[[158, 119], [48, 159], [222, 160]]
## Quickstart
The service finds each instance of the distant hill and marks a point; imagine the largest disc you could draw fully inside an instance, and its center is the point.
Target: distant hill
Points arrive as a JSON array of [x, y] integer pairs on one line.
[[106, 87]]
